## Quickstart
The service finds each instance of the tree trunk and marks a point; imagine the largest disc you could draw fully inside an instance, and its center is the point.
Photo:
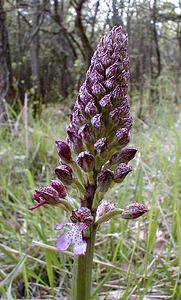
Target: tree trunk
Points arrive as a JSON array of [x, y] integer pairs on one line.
[[36, 94], [154, 93], [116, 17], [81, 32], [6, 77], [155, 36], [5, 64], [94, 20]]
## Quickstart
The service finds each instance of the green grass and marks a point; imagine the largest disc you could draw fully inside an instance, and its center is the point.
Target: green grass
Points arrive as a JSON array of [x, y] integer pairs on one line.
[[139, 258]]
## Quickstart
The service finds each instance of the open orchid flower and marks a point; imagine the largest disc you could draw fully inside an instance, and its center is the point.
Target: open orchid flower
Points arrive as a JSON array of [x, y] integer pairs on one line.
[[81, 219], [73, 236]]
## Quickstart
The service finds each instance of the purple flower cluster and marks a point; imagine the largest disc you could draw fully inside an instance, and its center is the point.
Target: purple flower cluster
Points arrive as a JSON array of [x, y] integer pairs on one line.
[[100, 122], [95, 154]]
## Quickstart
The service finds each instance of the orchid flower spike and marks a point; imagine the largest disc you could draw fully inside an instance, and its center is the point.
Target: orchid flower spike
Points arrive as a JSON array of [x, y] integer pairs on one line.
[[95, 155]]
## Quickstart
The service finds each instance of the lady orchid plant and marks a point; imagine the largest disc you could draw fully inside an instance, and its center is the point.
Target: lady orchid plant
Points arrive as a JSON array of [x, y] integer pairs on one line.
[[94, 157]]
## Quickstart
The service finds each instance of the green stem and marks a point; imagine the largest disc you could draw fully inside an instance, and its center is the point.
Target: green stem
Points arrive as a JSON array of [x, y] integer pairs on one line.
[[83, 270]]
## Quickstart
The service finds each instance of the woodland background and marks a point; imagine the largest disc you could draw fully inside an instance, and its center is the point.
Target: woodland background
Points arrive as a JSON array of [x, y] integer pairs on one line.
[[45, 49], [46, 46]]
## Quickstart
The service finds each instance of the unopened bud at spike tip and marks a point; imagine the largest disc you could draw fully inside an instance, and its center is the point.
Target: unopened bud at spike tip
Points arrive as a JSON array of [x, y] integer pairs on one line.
[[98, 90], [91, 108], [110, 83], [86, 161], [101, 146], [77, 117], [97, 122], [126, 122], [60, 188], [134, 210], [122, 137], [106, 103], [114, 70], [121, 172], [64, 151], [86, 134], [65, 174], [123, 156], [74, 138], [104, 180]]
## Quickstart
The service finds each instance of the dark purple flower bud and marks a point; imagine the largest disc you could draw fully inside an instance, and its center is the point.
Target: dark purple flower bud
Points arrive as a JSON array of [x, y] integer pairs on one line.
[[101, 146], [48, 194], [124, 54], [114, 70], [98, 66], [97, 122], [77, 116], [123, 137], [86, 134], [71, 131], [123, 78], [123, 156], [89, 84], [119, 112], [86, 200], [104, 180], [82, 215], [134, 210], [65, 174], [106, 61], [98, 90], [126, 64], [124, 44], [119, 92], [125, 107], [94, 75], [77, 144], [126, 122], [84, 95], [108, 48], [81, 104], [115, 116], [86, 161], [106, 103], [121, 171], [60, 188], [64, 151], [110, 84], [75, 139], [91, 108]]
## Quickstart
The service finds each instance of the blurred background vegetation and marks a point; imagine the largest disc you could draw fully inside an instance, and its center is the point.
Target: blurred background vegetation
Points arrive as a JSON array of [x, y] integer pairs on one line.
[[45, 49]]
